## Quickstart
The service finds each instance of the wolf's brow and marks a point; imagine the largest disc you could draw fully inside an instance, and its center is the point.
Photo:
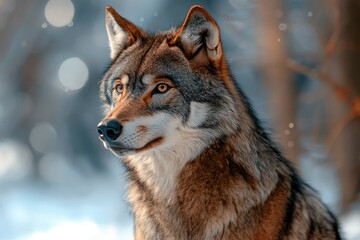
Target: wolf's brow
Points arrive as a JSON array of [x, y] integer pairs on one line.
[[124, 79], [147, 79]]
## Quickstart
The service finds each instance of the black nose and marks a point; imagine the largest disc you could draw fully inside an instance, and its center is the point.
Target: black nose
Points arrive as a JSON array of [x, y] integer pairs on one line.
[[109, 130]]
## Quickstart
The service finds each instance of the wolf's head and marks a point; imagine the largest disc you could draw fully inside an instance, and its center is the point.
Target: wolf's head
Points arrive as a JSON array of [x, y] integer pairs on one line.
[[169, 92]]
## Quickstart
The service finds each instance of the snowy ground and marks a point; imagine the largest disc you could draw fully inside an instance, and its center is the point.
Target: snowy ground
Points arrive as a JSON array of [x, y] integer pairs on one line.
[[315, 169], [91, 208]]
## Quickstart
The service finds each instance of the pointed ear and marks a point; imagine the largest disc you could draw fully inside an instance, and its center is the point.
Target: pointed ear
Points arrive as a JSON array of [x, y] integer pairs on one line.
[[199, 30], [121, 32]]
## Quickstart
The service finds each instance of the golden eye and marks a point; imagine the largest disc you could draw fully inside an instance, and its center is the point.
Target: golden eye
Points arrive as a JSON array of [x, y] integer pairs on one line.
[[162, 88], [119, 88]]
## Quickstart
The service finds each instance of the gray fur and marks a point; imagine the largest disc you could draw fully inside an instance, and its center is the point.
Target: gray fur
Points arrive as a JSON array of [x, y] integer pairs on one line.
[[237, 185]]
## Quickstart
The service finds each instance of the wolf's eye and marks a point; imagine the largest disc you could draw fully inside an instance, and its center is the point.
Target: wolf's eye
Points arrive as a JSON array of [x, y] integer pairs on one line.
[[119, 88], [161, 88]]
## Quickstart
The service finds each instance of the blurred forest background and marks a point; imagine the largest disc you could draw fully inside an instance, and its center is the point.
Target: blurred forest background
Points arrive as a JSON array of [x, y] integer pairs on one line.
[[298, 61]]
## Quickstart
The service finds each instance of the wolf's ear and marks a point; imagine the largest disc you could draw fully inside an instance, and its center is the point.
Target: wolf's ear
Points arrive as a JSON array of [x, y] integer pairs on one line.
[[199, 30], [121, 32]]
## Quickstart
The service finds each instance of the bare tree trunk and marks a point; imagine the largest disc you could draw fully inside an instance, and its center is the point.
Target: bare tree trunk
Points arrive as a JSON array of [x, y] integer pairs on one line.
[[278, 78], [346, 151]]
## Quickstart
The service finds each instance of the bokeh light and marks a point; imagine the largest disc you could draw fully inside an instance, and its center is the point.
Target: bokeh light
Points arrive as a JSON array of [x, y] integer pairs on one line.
[[54, 168], [282, 26], [42, 137], [59, 13], [239, 4], [16, 160], [73, 73]]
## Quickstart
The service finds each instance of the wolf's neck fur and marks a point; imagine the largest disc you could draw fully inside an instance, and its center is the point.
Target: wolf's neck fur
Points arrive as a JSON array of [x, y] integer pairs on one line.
[[239, 169], [224, 183]]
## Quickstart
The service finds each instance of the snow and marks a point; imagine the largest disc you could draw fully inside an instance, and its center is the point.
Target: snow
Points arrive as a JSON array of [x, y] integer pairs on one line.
[[90, 208]]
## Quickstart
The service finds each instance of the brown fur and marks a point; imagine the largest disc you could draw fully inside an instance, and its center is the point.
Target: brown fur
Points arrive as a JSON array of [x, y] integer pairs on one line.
[[238, 186]]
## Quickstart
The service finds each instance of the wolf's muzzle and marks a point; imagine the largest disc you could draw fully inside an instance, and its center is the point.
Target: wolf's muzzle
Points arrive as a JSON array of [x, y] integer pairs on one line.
[[109, 130]]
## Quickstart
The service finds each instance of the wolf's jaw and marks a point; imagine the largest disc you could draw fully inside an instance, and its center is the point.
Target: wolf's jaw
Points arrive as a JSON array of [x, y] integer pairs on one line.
[[122, 152], [152, 144]]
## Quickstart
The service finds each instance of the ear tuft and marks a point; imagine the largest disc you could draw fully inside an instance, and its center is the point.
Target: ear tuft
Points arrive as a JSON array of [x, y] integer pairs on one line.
[[121, 32], [199, 30]]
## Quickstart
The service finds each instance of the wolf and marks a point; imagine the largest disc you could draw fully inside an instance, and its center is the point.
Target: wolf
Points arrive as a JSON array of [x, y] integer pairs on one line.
[[199, 164]]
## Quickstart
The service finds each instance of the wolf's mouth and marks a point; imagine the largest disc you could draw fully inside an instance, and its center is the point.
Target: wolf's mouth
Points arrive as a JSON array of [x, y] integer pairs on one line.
[[122, 151], [151, 144]]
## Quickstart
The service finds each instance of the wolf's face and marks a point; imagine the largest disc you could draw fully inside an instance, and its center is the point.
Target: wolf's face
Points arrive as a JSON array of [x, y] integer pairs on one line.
[[164, 91]]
